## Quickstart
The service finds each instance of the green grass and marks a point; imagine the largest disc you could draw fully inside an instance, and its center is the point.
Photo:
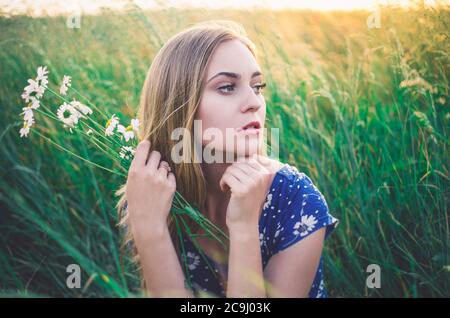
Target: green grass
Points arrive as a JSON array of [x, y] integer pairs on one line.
[[376, 150]]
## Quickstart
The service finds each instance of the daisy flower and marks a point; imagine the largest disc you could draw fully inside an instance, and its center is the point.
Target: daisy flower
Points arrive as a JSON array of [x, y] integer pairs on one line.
[[35, 103], [111, 125], [65, 85], [126, 152], [28, 118], [42, 75], [127, 133], [130, 131], [27, 113], [30, 88], [68, 115], [26, 127], [24, 130], [83, 109], [39, 91], [135, 125], [37, 85]]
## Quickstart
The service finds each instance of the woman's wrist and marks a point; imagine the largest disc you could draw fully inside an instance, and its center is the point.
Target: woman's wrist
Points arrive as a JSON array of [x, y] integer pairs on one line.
[[251, 222], [151, 231], [243, 232]]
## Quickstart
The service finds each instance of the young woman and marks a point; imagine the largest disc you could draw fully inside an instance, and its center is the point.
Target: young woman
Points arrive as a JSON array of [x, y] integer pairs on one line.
[[275, 217]]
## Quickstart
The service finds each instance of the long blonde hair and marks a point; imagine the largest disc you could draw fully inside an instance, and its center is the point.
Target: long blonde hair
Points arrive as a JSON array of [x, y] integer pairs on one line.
[[170, 97]]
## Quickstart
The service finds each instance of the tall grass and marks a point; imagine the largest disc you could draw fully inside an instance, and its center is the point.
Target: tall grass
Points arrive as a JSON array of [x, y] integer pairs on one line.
[[364, 112]]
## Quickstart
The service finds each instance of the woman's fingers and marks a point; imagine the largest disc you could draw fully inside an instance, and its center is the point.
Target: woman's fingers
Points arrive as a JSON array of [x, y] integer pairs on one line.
[[251, 166], [228, 181], [171, 178], [163, 168], [239, 173], [264, 161], [165, 164], [153, 160], [249, 169], [141, 154]]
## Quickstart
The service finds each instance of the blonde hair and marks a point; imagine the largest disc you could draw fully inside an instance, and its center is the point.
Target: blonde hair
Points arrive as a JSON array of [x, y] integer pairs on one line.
[[170, 97]]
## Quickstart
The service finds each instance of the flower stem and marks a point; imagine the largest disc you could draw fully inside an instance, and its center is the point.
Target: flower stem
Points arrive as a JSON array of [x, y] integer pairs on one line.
[[77, 156]]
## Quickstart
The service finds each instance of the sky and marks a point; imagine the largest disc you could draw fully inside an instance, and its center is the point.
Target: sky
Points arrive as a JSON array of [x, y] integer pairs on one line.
[[89, 6]]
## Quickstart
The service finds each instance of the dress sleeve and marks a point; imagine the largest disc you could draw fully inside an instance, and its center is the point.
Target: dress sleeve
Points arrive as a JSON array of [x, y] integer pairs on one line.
[[303, 211]]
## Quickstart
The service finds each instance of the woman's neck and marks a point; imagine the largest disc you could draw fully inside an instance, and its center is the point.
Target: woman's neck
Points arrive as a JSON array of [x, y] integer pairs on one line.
[[216, 199]]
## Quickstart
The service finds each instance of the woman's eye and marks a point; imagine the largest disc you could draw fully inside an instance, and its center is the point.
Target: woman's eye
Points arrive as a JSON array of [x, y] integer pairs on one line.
[[259, 87], [229, 88], [226, 88]]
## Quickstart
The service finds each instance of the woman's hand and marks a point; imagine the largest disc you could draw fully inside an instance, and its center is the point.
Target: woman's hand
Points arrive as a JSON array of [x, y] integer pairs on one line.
[[248, 180], [149, 192]]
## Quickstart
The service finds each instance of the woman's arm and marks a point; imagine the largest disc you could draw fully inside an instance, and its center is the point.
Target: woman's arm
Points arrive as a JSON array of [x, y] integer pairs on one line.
[[245, 273], [297, 249], [160, 265], [291, 272], [248, 181], [149, 192]]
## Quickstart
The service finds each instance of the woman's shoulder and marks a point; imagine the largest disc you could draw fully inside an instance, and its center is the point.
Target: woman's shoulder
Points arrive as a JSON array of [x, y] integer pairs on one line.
[[294, 208], [291, 189], [288, 173]]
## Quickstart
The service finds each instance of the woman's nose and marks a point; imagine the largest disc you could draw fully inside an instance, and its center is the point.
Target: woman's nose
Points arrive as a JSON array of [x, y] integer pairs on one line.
[[252, 101]]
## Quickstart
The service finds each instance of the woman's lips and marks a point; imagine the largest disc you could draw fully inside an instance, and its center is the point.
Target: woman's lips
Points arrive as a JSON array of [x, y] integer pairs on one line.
[[251, 128], [253, 124], [250, 131]]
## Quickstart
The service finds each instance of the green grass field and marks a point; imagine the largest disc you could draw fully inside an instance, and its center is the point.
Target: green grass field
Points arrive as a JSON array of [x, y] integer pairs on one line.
[[363, 111]]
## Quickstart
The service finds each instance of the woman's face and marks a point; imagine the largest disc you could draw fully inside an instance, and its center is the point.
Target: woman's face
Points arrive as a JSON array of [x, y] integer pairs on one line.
[[231, 99]]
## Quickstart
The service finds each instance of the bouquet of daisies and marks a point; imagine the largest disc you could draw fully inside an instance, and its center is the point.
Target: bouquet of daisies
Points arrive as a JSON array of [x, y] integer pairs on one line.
[[113, 139]]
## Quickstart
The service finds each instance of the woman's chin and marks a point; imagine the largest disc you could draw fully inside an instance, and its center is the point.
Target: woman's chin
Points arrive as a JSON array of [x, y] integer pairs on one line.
[[247, 151], [223, 154]]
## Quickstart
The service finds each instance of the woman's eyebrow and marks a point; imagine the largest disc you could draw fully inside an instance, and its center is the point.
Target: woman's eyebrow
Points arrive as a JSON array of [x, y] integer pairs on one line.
[[232, 75]]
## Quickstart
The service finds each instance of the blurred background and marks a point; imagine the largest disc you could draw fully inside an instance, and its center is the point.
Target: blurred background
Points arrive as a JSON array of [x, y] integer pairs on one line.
[[359, 90]]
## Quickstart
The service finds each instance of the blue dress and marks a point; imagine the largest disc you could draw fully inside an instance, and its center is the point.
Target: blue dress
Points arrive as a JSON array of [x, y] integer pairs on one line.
[[294, 208]]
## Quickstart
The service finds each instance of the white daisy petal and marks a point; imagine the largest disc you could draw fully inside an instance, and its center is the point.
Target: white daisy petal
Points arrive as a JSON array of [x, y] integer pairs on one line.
[[68, 115], [65, 85], [135, 124], [111, 125], [83, 109], [126, 152]]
